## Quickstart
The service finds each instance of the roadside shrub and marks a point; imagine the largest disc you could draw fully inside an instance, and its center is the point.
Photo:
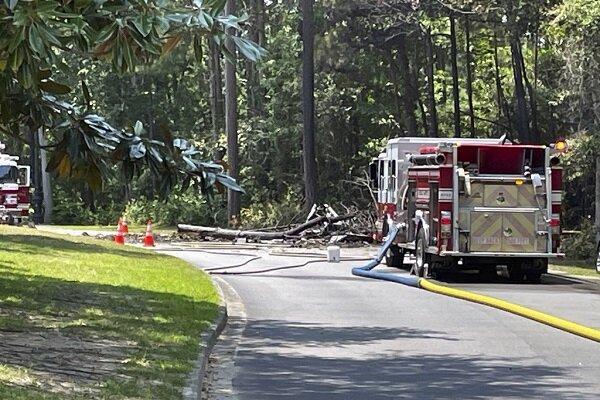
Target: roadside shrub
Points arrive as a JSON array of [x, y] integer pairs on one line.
[[186, 208], [268, 214], [583, 245], [69, 209]]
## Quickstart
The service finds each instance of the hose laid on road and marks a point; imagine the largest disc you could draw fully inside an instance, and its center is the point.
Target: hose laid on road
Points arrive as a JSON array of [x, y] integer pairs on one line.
[[221, 270], [559, 323], [366, 271], [413, 281]]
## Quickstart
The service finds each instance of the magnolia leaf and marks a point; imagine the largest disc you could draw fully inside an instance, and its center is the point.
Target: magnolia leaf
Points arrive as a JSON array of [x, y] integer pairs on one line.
[[229, 182], [161, 25], [143, 24], [35, 40], [249, 49], [86, 95], [170, 44], [53, 87]]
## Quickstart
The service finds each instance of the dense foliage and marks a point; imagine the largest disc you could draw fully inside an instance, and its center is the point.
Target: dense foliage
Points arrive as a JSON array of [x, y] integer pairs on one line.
[[383, 69], [44, 42]]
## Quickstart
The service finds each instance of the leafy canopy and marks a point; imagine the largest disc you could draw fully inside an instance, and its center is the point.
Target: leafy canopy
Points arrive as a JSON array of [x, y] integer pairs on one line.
[[37, 35]]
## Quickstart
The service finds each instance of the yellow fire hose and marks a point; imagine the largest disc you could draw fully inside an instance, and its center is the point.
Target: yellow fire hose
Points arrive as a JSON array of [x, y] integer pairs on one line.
[[565, 325]]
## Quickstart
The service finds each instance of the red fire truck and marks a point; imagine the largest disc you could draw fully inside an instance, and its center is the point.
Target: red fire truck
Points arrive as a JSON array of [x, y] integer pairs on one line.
[[477, 204], [14, 189]]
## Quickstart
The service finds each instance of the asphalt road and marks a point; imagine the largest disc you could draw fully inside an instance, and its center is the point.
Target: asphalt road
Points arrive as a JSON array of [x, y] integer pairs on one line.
[[317, 332]]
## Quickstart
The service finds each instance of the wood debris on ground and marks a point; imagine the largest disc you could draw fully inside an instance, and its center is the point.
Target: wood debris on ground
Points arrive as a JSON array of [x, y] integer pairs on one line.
[[323, 225]]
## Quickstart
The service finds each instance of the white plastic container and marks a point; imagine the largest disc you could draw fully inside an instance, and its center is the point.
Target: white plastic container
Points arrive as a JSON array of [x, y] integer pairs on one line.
[[333, 254]]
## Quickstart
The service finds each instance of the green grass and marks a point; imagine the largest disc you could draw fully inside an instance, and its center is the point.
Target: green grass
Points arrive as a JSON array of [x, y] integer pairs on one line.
[[84, 318], [575, 267], [133, 228]]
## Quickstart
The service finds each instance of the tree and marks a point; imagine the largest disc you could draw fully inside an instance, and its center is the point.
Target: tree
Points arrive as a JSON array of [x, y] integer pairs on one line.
[[231, 124], [36, 36], [308, 103], [455, 85]]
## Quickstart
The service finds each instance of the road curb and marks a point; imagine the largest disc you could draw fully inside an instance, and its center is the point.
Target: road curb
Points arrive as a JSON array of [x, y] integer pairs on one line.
[[195, 380], [575, 278]]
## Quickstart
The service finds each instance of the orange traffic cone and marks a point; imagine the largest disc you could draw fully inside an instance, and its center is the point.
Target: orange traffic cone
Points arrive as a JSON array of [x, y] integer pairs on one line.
[[119, 237], [149, 238], [124, 225]]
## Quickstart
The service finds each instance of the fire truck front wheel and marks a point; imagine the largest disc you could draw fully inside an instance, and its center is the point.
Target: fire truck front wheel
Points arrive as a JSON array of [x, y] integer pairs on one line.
[[421, 265]]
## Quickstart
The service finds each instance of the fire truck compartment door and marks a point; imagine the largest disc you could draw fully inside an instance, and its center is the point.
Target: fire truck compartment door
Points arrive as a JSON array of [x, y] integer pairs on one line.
[[500, 196], [486, 231], [506, 232], [519, 232]]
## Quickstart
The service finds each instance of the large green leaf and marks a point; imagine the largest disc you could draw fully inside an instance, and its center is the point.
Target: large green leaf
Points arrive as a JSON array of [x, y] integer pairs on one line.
[[35, 40], [229, 182], [143, 24], [50, 86]]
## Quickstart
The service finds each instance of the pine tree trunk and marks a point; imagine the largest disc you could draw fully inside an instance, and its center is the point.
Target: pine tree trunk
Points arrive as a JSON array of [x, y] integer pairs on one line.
[[254, 99], [216, 93], [231, 125], [409, 95], [469, 76], [534, 134], [396, 87], [521, 113], [308, 104], [503, 108], [431, 104], [455, 88]]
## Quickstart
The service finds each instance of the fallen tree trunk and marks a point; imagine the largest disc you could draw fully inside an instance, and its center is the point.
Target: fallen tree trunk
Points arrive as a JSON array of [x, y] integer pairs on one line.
[[235, 233]]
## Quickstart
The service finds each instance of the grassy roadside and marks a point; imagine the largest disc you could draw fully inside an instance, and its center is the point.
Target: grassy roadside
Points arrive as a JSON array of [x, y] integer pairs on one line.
[[83, 318], [133, 228], [575, 268]]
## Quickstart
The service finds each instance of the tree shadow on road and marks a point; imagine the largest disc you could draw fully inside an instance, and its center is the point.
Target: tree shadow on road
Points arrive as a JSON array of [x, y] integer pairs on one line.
[[272, 366]]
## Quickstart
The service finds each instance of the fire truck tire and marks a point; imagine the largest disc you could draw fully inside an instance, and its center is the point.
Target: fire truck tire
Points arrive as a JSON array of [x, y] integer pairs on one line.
[[421, 265], [395, 257], [533, 277], [515, 272]]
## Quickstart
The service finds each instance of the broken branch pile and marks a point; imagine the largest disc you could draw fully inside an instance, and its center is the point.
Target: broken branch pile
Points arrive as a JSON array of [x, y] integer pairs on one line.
[[292, 233]]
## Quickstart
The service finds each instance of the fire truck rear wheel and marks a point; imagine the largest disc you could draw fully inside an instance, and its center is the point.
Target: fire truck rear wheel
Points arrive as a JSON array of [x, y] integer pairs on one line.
[[420, 268], [515, 272], [395, 257]]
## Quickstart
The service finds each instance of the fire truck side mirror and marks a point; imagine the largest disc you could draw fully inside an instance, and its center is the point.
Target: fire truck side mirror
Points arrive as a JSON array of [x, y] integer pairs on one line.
[[24, 175], [373, 176]]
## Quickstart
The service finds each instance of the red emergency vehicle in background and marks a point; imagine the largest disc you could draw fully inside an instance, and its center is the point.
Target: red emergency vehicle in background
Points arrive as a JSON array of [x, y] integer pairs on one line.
[[14, 189], [477, 204]]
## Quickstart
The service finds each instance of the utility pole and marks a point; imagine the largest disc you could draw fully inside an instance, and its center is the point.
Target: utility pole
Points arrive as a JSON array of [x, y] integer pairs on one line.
[[308, 103], [231, 124]]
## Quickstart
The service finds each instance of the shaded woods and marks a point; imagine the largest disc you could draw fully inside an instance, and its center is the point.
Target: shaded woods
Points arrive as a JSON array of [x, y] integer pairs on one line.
[[528, 69]]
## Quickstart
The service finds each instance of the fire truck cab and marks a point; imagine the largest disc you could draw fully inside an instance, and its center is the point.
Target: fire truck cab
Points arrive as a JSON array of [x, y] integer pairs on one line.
[[475, 204], [14, 189]]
